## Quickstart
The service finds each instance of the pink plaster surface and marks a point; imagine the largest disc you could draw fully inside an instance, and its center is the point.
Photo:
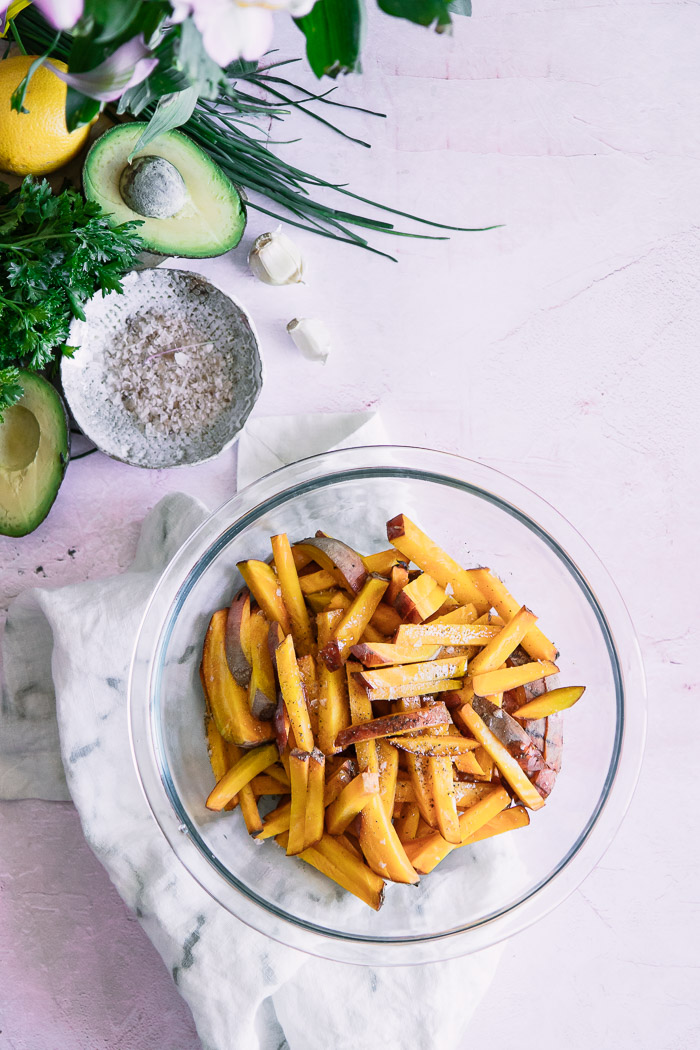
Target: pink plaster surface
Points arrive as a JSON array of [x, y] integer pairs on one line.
[[561, 349]]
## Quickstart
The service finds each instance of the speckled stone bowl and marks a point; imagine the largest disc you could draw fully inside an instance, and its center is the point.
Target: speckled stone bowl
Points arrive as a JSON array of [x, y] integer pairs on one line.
[[194, 310]]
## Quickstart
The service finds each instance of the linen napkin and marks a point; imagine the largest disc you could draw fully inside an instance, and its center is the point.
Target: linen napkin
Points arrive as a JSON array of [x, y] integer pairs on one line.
[[67, 656]]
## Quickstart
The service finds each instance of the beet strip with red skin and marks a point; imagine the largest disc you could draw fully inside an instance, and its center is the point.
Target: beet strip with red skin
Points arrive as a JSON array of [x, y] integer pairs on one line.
[[518, 743], [393, 725]]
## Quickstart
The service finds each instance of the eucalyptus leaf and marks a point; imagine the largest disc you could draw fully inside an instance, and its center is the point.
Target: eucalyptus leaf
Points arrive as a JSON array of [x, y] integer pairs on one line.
[[334, 31], [424, 12], [461, 7], [19, 94], [171, 112], [111, 18], [80, 109], [201, 71]]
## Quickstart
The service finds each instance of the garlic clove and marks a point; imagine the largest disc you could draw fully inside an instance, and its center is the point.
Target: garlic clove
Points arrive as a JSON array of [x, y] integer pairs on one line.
[[276, 259], [311, 337]]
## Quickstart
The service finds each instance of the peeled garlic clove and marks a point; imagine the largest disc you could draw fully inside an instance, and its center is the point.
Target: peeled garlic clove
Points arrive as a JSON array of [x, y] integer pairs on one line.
[[311, 337], [275, 259]]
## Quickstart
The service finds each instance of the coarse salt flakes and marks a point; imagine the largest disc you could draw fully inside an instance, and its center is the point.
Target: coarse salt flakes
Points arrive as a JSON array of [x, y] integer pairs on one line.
[[167, 376]]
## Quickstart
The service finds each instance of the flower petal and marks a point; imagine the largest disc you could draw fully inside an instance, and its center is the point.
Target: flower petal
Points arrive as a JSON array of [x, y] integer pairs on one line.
[[61, 14], [231, 31], [128, 65]]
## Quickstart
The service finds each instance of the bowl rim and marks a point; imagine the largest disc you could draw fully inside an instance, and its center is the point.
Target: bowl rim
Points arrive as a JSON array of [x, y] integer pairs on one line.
[[259, 370], [315, 472]]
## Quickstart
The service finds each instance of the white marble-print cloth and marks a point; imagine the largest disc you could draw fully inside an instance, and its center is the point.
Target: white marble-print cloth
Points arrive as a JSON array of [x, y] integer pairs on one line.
[[67, 655]]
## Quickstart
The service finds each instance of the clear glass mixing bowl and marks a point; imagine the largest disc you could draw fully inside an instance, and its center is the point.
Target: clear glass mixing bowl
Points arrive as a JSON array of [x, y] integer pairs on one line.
[[479, 894]]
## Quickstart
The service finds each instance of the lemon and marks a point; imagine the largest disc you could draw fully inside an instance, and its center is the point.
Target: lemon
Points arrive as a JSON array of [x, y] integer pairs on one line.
[[36, 142]]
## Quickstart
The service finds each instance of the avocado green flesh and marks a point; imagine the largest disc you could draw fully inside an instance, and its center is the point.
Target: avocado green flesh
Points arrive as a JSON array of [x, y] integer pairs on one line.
[[34, 443], [211, 220]]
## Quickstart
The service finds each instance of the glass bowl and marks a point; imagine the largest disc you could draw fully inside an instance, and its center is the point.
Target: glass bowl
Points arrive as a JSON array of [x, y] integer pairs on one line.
[[479, 894]]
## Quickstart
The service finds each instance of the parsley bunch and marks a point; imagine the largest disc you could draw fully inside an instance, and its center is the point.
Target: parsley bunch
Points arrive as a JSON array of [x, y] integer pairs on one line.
[[56, 252]]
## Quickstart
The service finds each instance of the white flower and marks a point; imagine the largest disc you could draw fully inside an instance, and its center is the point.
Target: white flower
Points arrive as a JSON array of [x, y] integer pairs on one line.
[[234, 29]]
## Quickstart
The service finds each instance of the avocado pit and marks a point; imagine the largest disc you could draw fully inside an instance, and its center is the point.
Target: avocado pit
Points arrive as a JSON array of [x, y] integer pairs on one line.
[[19, 438], [153, 187]]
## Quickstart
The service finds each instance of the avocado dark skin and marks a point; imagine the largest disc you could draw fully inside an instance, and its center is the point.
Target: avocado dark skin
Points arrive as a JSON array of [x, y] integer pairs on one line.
[[34, 454]]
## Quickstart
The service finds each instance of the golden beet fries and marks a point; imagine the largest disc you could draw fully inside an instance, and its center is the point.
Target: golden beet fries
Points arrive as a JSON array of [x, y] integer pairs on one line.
[[345, 691]]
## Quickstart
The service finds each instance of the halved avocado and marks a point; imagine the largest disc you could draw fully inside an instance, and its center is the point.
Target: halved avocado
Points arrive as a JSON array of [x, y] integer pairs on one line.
[[34, 446], [187, 205]]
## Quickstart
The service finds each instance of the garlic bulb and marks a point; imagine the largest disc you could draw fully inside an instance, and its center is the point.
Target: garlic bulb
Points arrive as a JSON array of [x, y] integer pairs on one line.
[[311, 337], [275, 259]]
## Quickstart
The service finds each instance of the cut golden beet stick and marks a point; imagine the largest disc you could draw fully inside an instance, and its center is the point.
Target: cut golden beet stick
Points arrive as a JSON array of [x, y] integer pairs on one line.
[[277, 821], [240, 774], [461, 615], [470, 765], [386, 654], [418, 769], [265, 588], [299, 778], [350, 844], [410, 636], [419, 599], [407, 825], [511, 677], [309, 682], [381, 846], [507, 765], [320, 600], [384, 561], [506, 820], [361, 711], [409, 675], [246, 797], [314, 797], [292, 595], [441, 780], [262, 687], [386, 619], [442, 785], [340, 601], [228, 700], [219, 754], [337, 862], [549, 703], [351, 801], [418, 689], [413, 543], [371, 635], [293, 694], [316, 582], [388, 759], [435, 745], [345, 772], [397, 581], [497, 594], [426, 853], [506, 641], [249, 808], [394, 725], [336, 557], [334, 707], [264, 784], [352, 626]]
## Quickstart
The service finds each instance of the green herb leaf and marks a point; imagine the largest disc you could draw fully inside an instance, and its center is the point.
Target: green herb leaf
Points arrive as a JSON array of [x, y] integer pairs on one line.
[[80, 109], [461, 7], [333, 31], [111, 18], [171, 112], [424, 12], [56, 252]]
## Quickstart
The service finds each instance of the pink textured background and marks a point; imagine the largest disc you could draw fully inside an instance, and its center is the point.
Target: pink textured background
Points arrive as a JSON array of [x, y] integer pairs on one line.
[[561, 349]]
